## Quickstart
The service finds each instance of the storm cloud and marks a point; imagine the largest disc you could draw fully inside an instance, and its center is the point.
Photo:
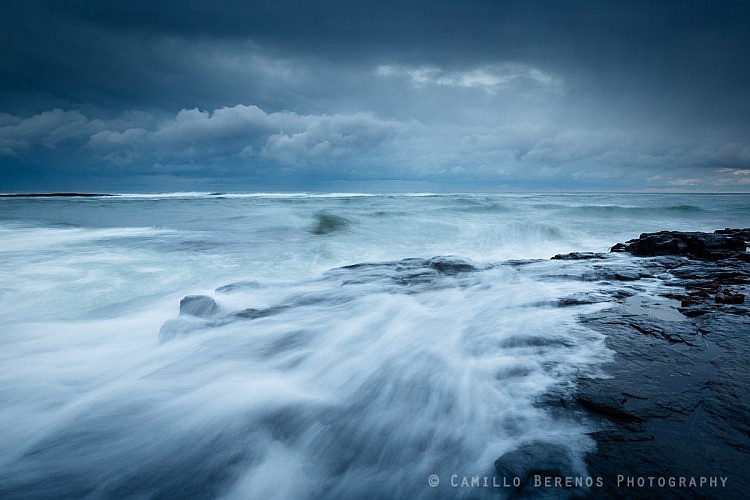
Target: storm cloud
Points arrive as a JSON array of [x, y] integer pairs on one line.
[[432, 95]]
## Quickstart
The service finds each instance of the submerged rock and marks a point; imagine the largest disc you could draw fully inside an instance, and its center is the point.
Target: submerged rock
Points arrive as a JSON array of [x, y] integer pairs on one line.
[[326, 223], [535, 464], [201, 306], [407, 276], [453, 265], [239, 286], [180, 327]]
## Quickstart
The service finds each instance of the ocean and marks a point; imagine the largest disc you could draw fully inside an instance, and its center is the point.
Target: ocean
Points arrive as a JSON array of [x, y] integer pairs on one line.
[[360, 345]]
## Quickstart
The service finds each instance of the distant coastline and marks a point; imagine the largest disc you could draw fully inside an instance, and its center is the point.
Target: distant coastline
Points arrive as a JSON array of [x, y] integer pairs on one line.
[[53, 195]]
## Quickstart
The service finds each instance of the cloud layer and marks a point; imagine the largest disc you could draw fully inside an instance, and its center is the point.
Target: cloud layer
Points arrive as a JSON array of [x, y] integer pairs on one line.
[[491, 79], [245, 139], [511, 95]]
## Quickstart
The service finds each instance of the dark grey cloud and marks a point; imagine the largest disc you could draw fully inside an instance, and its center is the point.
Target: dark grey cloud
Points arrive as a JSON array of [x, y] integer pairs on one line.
[[482, 93], [632, 50]]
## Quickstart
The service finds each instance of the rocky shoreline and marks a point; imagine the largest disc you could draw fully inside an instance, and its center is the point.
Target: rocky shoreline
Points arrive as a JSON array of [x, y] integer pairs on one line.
[[676, 402]]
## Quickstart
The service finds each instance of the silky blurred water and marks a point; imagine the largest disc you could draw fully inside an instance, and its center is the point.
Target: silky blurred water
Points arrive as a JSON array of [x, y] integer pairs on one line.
[[362, 382]]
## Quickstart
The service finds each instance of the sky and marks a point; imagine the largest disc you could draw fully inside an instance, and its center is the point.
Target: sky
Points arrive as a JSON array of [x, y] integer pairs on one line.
[[409, 95]]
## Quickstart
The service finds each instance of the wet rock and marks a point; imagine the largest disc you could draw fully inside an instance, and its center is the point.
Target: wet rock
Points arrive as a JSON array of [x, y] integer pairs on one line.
[[606, 405], [414, 275], [579, 299], [708, 246], [725, 296], [627, 276], [694, 310], [239, 286], [453, 265], [535, 459], [252, 313], [738, 233], [201, 306], [613, 273], [579, 256], [412, 271], [574, 301], [699, 274], [673, 403], [709, 267], [710, 285]]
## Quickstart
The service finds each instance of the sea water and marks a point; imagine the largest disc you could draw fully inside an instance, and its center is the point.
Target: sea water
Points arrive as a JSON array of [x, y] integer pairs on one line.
[[365, 368]]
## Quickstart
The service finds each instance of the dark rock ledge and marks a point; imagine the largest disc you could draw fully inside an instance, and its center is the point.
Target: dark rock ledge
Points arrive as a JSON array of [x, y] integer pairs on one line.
[[678, 400], [722, 244], [675, 401]]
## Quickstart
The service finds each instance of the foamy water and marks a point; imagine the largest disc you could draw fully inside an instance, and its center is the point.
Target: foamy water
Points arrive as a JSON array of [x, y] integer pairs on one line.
[[345, 382]]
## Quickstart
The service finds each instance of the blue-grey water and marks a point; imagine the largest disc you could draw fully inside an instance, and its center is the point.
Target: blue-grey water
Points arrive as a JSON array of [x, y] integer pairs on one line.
[[351, 381]]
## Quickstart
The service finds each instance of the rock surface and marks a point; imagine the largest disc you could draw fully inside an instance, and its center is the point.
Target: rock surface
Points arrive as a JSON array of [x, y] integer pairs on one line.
[[201, 306], [579, 256], [678, 400], [533, 463], [409, 276], [722, 244]]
